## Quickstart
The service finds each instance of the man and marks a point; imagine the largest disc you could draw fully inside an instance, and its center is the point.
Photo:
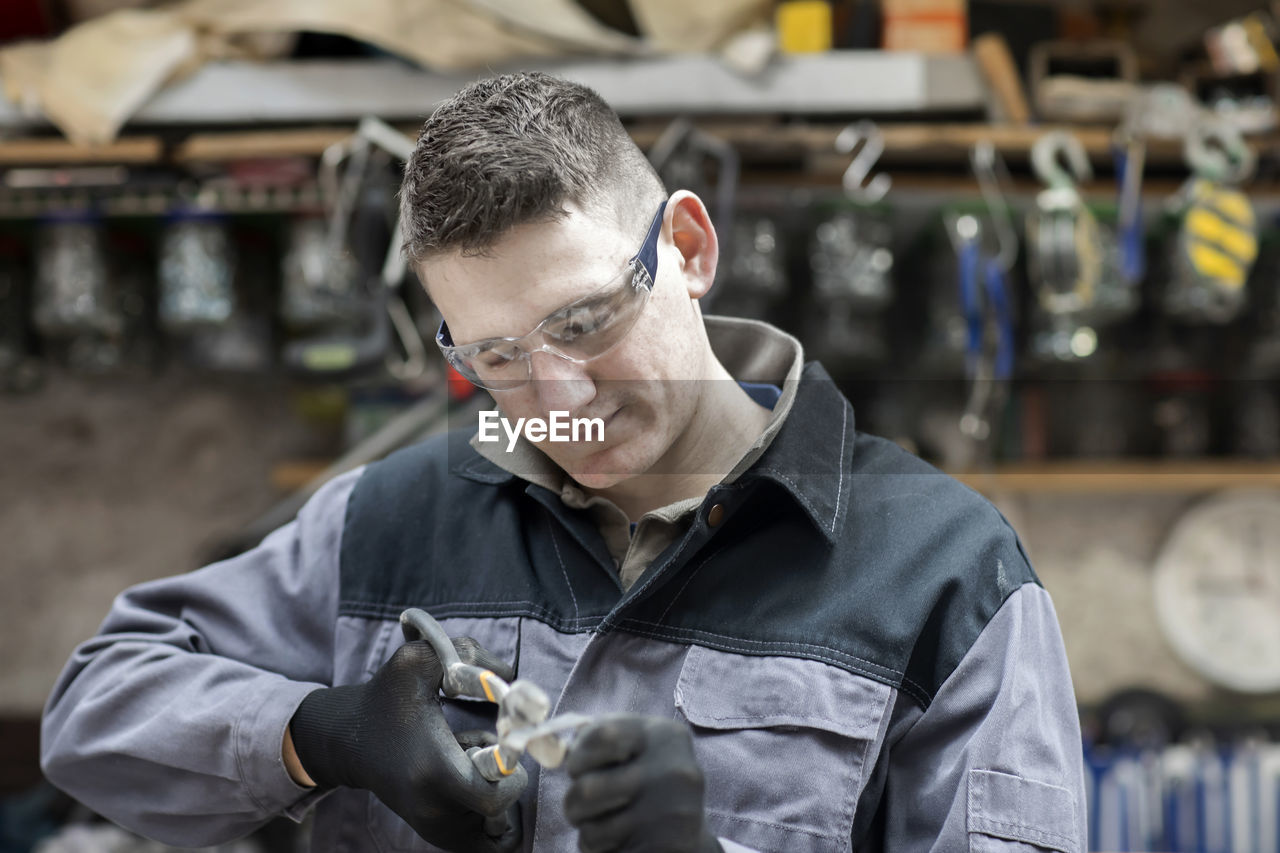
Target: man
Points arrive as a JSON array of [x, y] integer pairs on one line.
[[792, 636]]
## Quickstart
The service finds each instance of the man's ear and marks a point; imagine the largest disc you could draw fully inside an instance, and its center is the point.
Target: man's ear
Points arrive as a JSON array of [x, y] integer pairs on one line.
[[695, 238]]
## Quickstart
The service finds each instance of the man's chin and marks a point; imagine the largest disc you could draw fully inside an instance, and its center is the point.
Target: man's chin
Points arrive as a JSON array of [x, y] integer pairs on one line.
[[598, 482], [602, 470]]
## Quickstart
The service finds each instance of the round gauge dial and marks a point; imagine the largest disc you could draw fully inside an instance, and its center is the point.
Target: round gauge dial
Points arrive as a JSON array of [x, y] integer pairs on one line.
[[1217, 586]]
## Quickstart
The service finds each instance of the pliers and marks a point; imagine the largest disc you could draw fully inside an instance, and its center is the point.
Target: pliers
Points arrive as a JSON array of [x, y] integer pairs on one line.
[[523, 707]]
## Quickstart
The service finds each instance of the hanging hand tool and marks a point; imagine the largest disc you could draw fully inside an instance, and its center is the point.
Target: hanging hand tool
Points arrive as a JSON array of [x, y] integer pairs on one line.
[[1217, 241], [985, 302], [1086, 275], [984, 296], [1129, 156], [1064, 248]]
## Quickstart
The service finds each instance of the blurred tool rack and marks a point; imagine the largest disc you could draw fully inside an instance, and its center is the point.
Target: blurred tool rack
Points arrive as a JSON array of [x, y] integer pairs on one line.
[[783, 123], [799, 150]]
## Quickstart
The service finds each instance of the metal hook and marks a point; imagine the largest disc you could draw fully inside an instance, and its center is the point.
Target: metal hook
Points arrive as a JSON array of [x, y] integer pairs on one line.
[[1046, 159], [991, 172], [855, 176], [1217, 151]]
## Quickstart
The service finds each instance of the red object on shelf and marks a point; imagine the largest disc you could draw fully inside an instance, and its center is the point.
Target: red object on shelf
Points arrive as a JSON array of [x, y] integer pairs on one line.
[[927, 26]]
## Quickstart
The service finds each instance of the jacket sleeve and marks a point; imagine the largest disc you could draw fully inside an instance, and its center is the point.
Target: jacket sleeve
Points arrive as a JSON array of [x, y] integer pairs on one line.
[[995, 763], [171, 720]]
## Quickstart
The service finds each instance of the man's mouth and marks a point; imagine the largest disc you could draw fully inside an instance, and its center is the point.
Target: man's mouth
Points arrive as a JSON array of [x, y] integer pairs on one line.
[[609, 420]]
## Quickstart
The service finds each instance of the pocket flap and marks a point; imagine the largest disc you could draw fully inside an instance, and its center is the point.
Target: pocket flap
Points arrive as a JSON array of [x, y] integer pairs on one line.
[[721, 690], [1011, 807]]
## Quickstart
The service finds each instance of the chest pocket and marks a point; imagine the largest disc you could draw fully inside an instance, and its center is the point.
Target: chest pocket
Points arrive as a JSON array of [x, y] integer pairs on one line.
[[785, 745]]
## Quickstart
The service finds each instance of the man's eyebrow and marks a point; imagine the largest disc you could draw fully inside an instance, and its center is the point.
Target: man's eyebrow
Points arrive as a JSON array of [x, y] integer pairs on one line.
[[590, 297], [595, 295]]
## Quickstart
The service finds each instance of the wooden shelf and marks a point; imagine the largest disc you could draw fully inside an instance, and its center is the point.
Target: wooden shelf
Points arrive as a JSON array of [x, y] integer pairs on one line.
[[130, 150], [1156, 476], [760, 138], [215, 147]]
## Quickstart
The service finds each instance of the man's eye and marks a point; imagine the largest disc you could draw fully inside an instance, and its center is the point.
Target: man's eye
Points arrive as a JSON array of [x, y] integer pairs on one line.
[[497, 357], [578, 322]]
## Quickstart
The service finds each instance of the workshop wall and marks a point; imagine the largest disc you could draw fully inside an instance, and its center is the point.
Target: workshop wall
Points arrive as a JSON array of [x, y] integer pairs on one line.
[[1095, 556], [109, 483]]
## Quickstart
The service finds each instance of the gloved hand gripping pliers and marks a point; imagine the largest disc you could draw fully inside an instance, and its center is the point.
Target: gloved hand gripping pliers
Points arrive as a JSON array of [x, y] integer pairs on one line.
[[522, 705]]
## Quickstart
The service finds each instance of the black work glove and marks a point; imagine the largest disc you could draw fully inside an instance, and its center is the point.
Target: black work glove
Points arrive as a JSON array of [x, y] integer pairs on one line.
[[636, 788], [389, 736]]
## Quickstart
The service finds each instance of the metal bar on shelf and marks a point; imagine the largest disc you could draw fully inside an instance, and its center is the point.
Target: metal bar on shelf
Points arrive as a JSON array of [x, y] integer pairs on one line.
[[842, 81]]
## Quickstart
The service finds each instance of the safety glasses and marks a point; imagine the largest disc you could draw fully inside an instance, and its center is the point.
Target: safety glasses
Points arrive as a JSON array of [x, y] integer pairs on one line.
[[579, 332]]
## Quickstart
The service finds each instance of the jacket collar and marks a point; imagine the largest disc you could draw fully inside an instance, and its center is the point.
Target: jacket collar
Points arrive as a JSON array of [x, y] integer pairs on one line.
[[811, 458], [480, 470]]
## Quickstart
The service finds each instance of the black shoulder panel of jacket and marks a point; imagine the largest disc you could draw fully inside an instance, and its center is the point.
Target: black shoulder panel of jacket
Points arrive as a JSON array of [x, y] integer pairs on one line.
[[945, 560], [913, 571], [419, 535]]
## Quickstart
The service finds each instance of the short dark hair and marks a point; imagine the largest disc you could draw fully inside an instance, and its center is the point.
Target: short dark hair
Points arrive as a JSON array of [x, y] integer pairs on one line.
[[510, 150]]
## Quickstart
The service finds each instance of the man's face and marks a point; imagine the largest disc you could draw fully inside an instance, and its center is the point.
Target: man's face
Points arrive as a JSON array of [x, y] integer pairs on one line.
[[644, 389]]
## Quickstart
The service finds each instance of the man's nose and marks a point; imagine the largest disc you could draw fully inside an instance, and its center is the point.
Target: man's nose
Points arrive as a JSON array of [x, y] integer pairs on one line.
[[561, 385]]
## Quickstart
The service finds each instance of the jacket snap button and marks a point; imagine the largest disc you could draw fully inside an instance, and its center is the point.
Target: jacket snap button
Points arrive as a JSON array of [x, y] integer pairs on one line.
[[715, 515]]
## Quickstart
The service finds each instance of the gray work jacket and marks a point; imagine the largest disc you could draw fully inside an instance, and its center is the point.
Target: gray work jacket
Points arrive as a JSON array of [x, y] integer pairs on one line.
[[858, 644]]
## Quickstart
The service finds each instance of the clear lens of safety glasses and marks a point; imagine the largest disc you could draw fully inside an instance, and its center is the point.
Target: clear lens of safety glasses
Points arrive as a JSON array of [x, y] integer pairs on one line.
[[579, 332]]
